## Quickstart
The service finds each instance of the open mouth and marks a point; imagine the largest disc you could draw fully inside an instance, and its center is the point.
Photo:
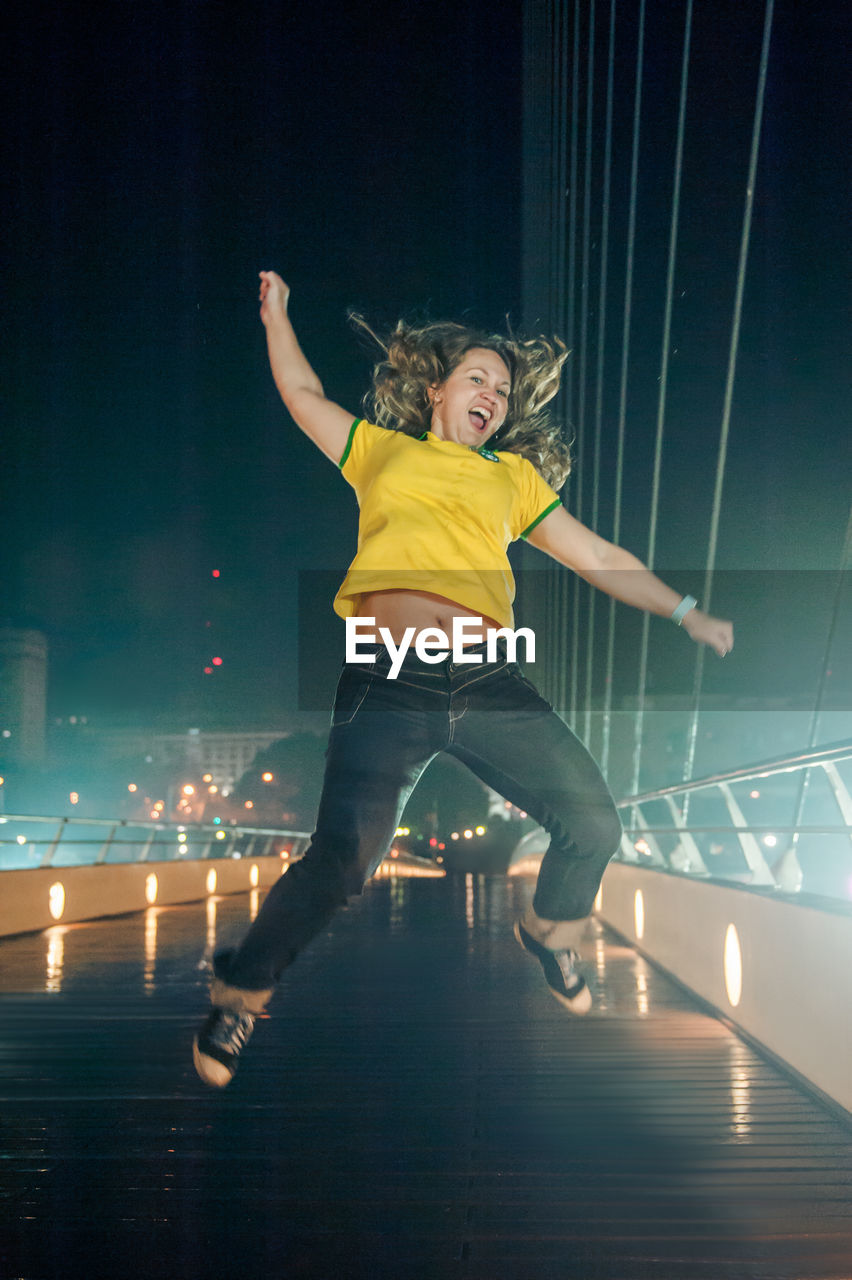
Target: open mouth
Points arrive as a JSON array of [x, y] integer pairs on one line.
[[479, 419]]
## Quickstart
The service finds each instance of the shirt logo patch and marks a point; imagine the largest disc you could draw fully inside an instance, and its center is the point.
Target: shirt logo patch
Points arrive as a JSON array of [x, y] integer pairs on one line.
[[486, 453]]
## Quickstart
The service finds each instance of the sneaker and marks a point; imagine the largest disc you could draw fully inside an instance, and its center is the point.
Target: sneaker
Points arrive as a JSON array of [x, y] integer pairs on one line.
[[217, 1047], [560, 972]]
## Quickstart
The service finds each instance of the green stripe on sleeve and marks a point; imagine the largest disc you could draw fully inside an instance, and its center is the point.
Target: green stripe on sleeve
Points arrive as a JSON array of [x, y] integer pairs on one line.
[[348, 448], [546, 512]]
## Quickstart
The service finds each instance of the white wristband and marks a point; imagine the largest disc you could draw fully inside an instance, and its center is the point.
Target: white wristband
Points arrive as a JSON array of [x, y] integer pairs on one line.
[[687, 603]]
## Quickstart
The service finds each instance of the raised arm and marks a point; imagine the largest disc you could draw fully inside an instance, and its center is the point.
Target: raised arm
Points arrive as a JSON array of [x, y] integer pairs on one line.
[[620, 574], [326, 423]]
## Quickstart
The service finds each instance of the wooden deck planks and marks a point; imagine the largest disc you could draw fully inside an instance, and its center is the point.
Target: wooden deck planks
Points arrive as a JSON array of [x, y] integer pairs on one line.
[[417, 1105]]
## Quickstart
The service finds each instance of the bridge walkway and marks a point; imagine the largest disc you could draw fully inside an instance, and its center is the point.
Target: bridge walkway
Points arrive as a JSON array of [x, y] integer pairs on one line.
[[417, 1105]]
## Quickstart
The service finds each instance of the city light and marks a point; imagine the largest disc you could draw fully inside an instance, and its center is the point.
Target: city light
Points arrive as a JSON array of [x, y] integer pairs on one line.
[[216, 573], [74, 797], [770, 841], [155, 813], [217, 662], [189, 789], [21, 839], [212, 789], [220, 835], [208, 671], [454, 835], [208, 777], [468, 835], [267, 777], [249, 804], [151, 889], [211, 881], [755, 795], [131, 786], [480, 831]]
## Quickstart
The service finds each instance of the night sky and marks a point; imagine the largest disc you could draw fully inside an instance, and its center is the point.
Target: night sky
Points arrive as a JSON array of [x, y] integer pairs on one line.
[[159, 155]]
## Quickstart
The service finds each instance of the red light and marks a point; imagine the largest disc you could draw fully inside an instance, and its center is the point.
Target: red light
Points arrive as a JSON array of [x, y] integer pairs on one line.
[[216, 573], [433, 842], [217, 662], [442, 846], [208, 671]]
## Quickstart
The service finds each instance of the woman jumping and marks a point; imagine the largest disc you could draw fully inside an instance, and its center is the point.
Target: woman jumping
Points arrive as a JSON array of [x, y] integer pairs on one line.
[[459, 461]]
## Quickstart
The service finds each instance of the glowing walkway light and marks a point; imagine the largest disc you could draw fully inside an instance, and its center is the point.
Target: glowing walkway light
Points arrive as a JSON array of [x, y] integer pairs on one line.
[[733, 966], [56, 900], [639, 914]]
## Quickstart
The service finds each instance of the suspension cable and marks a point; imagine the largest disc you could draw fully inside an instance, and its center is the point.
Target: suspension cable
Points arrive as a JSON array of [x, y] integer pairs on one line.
[[596, 460], [584, 326], [804, 780], [572, 307], [639, 722], [558, 573], [689, 763], [554, 282], [625, 341]]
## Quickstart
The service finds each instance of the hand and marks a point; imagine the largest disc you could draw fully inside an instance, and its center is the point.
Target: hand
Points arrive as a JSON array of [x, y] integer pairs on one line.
[[274, 296], [704, 629]]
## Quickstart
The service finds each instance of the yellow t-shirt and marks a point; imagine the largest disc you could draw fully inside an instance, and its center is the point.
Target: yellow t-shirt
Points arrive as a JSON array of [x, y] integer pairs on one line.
[[438, 516]]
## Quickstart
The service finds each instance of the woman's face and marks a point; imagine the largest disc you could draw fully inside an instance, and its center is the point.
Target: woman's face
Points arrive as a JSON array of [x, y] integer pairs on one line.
[[471, 404]]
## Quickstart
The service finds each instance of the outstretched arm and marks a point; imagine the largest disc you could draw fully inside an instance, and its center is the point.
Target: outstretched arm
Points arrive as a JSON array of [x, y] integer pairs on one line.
[[301, 390], [620, 574]]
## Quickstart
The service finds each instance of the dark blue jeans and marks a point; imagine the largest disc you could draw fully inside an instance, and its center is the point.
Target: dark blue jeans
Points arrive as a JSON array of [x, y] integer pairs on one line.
[[384, 733]]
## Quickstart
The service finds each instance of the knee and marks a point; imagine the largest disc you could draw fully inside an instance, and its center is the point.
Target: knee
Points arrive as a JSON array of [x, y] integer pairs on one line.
[[342, 867], [609, 833], [593, 836]]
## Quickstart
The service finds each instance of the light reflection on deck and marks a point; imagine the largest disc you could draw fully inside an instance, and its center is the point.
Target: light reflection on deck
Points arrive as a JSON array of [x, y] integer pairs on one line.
[[415, 1094]]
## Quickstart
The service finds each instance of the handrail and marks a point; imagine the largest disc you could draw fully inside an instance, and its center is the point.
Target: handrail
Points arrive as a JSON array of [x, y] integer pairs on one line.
[[777, 764], [787, 872], [146, 824], [151, 835]]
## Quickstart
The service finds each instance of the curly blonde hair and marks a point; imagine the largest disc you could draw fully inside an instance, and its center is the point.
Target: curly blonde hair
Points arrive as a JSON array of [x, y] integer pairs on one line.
[[419, 357]]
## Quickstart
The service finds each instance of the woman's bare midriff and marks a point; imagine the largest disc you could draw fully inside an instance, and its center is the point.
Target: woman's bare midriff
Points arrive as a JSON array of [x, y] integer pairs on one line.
[[399, 610]]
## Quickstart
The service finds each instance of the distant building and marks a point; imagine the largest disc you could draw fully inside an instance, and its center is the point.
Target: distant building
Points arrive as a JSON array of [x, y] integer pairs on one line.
[[222, 754], [23, 695]]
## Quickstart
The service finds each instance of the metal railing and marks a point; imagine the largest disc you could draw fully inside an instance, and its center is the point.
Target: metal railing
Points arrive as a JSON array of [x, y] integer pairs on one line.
[[662, 839], [126, 840], [643, 840]]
